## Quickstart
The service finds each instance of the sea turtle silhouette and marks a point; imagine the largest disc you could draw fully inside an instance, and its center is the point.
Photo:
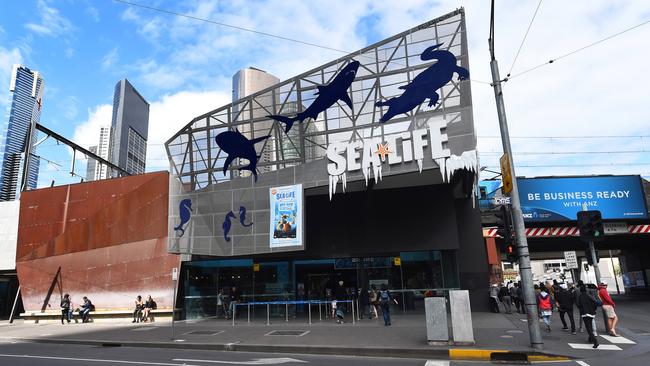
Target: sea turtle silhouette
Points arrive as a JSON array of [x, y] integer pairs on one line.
[[426, 83], [185, 212]]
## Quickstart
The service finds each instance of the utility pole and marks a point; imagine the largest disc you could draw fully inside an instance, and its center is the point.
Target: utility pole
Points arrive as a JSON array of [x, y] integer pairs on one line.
[[518, 219]]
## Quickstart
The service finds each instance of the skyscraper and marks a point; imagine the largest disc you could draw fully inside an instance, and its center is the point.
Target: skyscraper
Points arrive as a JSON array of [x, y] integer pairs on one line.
[[27, 87], [129, 128], [95, 170], [246, 82]]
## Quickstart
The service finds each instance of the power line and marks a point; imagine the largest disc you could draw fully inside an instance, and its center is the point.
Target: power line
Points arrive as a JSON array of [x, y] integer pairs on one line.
[[569, 137], [571, 165], [579, 49], [567, 152], [524, 39]]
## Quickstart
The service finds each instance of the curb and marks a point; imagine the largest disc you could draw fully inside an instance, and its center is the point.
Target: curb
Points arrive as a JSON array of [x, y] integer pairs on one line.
[[457, 354]]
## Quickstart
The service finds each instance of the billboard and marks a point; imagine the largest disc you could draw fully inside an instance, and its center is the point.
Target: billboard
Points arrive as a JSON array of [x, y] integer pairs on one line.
[[559, 199], [286, 216]]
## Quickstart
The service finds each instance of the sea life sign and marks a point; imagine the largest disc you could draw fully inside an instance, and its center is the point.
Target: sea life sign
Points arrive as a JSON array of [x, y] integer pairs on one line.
[[286, 216]]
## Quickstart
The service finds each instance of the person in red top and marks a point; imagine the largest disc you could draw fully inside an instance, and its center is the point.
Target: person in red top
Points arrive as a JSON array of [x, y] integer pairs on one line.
[[608, 307]]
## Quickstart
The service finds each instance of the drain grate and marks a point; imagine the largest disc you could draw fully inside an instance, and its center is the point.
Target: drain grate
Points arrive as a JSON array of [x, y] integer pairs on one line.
[[291, 333], [204, 332]]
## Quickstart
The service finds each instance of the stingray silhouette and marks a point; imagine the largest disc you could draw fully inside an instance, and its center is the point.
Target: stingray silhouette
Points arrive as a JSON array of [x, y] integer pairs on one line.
[[237, 145], [185, 211], [226, 225], [327, 96], [426, 83], [242, 216]]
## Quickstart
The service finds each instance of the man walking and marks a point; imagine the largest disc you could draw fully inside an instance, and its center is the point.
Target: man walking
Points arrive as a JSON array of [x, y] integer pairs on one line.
[[494, 298], [608, 307], [587, 307], [504, 297], [565, 303]]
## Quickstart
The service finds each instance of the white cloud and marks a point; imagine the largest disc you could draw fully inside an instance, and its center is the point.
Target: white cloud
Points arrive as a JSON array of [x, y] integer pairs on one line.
[[86, 133], [8, 57], [93, 13], [52, 23], [110, 58]]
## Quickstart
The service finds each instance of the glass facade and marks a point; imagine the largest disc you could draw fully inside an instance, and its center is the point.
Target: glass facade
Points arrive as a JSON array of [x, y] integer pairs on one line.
[[410, 276]]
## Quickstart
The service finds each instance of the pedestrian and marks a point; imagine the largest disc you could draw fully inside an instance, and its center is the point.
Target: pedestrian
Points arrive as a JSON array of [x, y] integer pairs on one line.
[[234, 299], [545, 307], [385, 300], [137, 311], [520, 294], [494, 298], [504, 297], [364, 303], [565, 304], [65, 308], [85, 309], [587, 308], [514, 295], [374, 301], [592, 290], [608, 307], [222, 304], [149, 305]]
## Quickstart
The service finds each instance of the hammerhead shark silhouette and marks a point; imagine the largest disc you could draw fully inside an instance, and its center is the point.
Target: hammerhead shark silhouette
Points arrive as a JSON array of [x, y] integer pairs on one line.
[[226, 225], [426, 83], [242, 216], [185, 211], [237, 145], [327, 96]]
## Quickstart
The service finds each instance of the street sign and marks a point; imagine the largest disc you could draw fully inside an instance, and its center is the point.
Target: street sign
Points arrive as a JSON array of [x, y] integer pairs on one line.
[[397, 261], [506, 174], [615, 228], [571, 259], [256, 267], [500, 201], [174, 274]]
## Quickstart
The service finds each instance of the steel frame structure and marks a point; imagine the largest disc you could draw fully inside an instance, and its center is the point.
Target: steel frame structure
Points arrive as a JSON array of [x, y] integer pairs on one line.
[[385, 66]]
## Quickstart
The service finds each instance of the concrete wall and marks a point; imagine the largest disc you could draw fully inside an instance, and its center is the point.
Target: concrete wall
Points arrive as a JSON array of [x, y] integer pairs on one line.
[[8, 234]]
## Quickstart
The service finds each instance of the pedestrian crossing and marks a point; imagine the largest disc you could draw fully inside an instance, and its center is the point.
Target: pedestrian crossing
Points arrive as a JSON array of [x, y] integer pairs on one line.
[[604, 347]]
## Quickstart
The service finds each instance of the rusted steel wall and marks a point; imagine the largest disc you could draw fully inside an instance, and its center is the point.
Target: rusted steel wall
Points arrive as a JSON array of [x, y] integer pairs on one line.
[[108, 237]]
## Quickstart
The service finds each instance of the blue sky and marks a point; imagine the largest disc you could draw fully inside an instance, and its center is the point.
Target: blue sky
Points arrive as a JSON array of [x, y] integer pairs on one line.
[[184, 67]]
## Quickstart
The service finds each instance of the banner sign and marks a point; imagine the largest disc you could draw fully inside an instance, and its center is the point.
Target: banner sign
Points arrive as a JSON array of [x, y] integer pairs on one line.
[[286, 216], [559, 199]]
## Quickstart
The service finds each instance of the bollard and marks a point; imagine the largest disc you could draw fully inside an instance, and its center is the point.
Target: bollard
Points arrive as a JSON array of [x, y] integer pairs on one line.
[[353, 320], [249, 312], [309, 304], [286, 311], [234, 311], [320, 314], [268, 320], [358, 312]]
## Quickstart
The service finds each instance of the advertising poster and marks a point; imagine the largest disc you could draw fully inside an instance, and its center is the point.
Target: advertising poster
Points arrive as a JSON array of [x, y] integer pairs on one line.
[[559, 199], [286, 216]]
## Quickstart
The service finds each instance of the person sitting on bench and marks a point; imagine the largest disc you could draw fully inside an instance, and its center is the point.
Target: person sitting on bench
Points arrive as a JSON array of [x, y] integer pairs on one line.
[[85, 309], [148, 306], [137, 312]]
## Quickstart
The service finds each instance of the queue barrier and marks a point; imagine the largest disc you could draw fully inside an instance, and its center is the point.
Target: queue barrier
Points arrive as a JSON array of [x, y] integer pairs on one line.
[[286, 303]]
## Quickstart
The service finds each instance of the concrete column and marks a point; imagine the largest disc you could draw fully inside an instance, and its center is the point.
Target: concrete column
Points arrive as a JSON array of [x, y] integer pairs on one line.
[[436, 315], [461, 317]]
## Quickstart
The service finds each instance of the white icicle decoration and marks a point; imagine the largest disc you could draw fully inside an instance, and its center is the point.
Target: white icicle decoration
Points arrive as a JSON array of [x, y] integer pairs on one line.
[[419, 161], [334, 181]]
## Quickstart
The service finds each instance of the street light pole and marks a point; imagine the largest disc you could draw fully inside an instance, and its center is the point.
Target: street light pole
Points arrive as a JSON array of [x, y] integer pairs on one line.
[[517, 216]]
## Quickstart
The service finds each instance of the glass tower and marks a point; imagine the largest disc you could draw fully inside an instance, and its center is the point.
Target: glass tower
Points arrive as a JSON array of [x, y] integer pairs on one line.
[[27, 88]]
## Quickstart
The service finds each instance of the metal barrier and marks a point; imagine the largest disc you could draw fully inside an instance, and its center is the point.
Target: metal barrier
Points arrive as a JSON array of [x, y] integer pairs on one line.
[[354, 304]]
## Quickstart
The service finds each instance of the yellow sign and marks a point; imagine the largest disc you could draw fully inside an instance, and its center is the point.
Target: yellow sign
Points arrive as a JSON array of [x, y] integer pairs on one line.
[[397, 261], [506, 174], [256, 267]]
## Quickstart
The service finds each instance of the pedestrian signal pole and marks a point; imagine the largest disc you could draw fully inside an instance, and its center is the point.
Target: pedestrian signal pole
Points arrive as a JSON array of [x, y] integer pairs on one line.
[[525, 270]]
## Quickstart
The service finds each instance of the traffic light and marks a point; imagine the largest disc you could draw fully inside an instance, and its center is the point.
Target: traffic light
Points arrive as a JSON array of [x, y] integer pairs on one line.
[[504, 227], [589, 258], [511, 252], [590, 224]]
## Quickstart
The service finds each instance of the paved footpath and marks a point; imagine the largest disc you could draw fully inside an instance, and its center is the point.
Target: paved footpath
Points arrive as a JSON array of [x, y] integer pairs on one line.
[[405, 338]]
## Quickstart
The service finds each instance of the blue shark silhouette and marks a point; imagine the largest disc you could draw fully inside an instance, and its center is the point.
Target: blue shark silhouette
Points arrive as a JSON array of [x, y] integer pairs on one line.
[[237, 145], [426, 83], [242, 216], [327, 96], [185, 211], [226, 225]]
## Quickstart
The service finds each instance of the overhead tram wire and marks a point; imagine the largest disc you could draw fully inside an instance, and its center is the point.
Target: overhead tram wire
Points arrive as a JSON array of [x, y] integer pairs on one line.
[[524, 39], [578, 50], [266, 34], [569, 137]]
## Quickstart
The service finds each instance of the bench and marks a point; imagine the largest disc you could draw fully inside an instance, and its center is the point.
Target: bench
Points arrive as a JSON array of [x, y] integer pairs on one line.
[[99, 315]]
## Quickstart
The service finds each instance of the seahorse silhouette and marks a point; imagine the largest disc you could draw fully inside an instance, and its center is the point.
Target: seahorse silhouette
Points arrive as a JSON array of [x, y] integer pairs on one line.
[[426, 83], [185, 211], [242, 216], [226, 225]]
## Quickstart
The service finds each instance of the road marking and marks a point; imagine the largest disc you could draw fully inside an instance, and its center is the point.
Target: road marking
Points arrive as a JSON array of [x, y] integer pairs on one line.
[[602, 347], [436, 363], [618, 340], [96, 360], [582, 363], [259, 361]]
